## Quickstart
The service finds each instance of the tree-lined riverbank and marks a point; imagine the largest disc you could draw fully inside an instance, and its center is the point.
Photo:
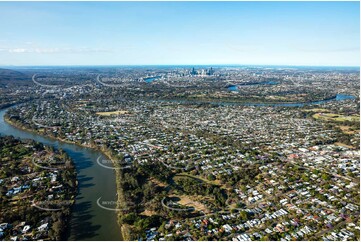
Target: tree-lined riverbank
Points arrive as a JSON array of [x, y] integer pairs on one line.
[[89, 221]]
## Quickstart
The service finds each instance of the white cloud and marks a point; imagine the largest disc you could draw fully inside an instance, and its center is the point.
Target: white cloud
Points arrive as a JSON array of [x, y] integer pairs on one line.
[[55, 50], [17, 50]]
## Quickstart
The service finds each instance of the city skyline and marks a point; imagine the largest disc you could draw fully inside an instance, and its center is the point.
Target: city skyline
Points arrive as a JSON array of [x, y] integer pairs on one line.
[[180, 33]]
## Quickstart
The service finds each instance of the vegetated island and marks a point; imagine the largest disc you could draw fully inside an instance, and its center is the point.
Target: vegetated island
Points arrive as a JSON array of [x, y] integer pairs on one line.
[[37, 189]]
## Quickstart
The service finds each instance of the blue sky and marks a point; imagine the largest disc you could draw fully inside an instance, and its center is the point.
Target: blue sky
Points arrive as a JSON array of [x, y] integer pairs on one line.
[[165, 33]]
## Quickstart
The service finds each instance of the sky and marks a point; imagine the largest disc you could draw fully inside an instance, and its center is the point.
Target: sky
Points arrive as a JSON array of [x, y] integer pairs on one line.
[[180, 33]]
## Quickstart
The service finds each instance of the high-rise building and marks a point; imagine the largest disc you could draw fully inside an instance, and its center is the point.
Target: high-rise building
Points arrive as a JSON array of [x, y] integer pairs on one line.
[[210, 72]]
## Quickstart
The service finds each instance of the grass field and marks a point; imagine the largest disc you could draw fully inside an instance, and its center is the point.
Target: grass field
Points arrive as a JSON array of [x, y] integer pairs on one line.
[[112, 113], [159, 183], [339, 118], [344, 145], [349, 130], [148, 213], [336, 117], [189, 201], [215, 182], [316, 110]]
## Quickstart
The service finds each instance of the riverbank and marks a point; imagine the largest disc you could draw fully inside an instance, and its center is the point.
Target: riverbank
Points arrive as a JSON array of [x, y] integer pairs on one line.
[[227, 102], [125, 229]]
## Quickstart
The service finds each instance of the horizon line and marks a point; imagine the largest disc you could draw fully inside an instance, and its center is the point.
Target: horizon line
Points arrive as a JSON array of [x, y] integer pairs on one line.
[[115, 65]]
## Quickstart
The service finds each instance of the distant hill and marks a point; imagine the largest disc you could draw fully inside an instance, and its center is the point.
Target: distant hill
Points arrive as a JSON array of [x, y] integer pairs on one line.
[[10, 78]]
